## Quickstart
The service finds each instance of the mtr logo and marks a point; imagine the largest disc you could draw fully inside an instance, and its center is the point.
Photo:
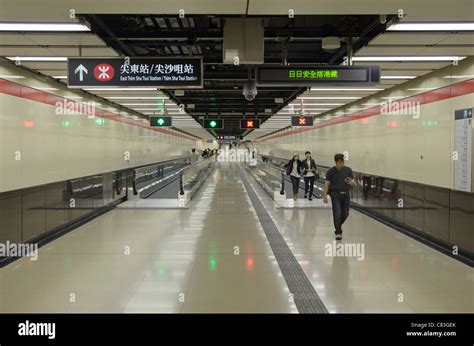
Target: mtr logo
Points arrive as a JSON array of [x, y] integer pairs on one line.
[[103, 72], [249, 123]]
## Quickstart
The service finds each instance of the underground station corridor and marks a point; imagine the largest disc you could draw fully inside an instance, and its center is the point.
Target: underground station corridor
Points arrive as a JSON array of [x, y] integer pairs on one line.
[[236, 172]]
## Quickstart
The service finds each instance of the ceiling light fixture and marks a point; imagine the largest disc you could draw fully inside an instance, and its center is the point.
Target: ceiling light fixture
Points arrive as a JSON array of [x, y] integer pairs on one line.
[[37, 58], [19, 26], [431, 26], [407, 58], [398, 77], [347, 89]]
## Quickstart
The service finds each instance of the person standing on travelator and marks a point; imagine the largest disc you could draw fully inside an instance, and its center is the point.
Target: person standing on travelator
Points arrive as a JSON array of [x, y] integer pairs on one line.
[[293, 169], [309, 174], [339, 181]]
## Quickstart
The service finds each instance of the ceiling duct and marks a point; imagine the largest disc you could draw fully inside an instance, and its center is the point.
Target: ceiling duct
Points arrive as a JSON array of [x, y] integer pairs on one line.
[[243, 41]]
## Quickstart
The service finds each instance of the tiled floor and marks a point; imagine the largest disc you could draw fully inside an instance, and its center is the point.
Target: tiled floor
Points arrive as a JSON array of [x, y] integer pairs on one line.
[[395, 273], [214, 257]]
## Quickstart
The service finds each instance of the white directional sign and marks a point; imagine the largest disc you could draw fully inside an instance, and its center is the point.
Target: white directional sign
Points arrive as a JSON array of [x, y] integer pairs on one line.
[[81, 69]]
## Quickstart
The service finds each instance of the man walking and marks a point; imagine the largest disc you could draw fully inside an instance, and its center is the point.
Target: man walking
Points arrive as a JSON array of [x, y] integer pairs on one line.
[[339, 180], [309, 173]]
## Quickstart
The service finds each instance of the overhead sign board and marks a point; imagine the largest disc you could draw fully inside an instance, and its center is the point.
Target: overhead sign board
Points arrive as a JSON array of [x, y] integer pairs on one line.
[[213, 124], [302, 121], [178, 72], [249, 123], [316, 75], [160, 121]]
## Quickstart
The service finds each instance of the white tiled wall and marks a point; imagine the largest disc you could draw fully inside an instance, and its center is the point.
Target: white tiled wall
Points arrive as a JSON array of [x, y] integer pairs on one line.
[[50, 152], [410, 151]]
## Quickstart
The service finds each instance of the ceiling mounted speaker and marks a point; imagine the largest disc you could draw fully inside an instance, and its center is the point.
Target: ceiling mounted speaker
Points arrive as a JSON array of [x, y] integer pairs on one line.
[[331, 42]]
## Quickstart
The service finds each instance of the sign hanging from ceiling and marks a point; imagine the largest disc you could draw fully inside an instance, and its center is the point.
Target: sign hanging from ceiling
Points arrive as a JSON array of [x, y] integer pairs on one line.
[[160, 121], [316, 75], [124, 72], [249, 123], [213, 124], [302, 121]]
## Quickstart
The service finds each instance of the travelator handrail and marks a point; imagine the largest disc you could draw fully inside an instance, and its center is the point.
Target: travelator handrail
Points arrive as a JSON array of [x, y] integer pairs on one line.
[[192, 173], [146, 177]]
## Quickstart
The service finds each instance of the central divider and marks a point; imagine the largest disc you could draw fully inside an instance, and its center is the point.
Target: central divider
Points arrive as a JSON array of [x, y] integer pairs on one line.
[[305, 296]]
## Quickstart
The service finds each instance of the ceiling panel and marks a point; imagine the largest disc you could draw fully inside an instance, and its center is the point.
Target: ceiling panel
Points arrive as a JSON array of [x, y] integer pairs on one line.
[[26, 51], [53, 72], [461, 38], [390, 50], [449, 50], [59, 39], [45, 65], [14, 39], [422, 65]]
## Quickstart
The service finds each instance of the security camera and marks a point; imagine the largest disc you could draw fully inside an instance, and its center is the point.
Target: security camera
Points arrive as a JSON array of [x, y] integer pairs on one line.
[[250, 90]]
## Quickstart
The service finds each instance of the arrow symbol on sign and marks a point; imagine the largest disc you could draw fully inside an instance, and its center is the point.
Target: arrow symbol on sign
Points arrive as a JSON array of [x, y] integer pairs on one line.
[[81, 69]]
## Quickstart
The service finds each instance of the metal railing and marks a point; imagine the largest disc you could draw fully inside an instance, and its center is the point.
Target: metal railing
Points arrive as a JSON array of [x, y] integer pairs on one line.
[[149, 179], [192, 177]]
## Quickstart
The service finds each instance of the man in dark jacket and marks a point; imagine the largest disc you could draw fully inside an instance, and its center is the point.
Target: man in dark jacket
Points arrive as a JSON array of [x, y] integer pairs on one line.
[[309, 174], [293, 169], [339, 181]]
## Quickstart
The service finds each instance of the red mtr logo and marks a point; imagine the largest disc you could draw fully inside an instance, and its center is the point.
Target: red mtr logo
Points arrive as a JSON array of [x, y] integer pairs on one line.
[[103, 72]]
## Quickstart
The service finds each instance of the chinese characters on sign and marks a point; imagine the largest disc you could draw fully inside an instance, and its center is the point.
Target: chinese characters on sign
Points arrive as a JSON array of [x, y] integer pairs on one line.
[[310, 75], [313, 73], [158, 72]]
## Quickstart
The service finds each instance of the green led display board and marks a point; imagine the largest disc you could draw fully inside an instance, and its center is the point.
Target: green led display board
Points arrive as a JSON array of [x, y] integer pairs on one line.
[[160, 121], [317, 75], [213, 124]]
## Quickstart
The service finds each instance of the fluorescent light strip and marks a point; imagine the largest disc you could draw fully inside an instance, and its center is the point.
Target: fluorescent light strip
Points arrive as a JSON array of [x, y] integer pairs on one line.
[[407, 58], [398, 77], [60, 77], [460, 77], [136, 97], [347, 89], [441, 26], [147, 104], [37, 58], [319, 104], [45, 88], [120, 89], [43, 27], [11, 77], [330, 97]]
